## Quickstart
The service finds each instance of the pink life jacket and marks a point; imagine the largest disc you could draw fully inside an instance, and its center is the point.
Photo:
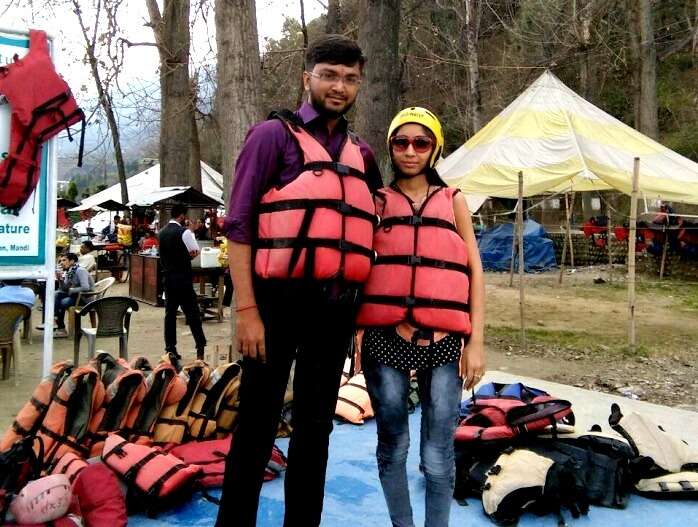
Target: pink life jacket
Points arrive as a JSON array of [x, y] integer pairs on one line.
[[501, 418], [210, 456], [42, 105], [320, 225], [421, 273], [153, 473], [69, 464]]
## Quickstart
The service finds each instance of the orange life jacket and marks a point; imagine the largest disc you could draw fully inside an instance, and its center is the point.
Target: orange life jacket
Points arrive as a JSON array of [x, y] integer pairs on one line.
[[153, 473], [353, 401], [165, 387], [320, 225], [125, 391], [172, 422], [215, 408], [69, 464], [421, 273], [70, 420], [42, 105], [31, 415]]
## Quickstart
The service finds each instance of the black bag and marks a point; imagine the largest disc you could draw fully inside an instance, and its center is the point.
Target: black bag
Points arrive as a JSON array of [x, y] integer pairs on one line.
[[18, 466]]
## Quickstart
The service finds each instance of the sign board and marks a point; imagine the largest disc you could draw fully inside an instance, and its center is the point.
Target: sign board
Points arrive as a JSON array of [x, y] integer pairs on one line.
[[28, 235]]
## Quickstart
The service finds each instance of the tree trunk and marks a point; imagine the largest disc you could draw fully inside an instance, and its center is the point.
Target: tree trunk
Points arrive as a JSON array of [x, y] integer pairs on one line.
[[334, 17], [377, 101], [583, 19], [195, 157], [634, 51], [238, 102], [171, 31], [471, 36], [648, 71], [104, 98]]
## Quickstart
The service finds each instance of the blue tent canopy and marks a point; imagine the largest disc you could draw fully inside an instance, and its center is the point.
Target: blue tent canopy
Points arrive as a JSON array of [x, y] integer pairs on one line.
[[495, 248]]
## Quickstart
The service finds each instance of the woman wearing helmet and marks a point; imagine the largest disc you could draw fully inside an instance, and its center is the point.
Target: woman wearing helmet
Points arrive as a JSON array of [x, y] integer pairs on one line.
[[423, 310]]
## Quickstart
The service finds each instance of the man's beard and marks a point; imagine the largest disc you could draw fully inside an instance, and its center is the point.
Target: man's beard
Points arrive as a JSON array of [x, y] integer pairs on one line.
[[326, 112]]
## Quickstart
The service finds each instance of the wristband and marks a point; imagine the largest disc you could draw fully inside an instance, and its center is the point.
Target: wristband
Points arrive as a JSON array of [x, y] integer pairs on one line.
[[237, 310]]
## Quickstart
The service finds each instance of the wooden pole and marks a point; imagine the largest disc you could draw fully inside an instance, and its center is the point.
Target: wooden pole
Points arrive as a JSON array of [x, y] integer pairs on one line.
[[664, 249], [519, 223], [608, 243], [631, 257], [567, 238], [569, 230], [513, 254]]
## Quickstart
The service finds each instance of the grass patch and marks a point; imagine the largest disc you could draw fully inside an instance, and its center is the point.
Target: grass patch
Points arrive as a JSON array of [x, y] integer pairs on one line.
[[574, 340]]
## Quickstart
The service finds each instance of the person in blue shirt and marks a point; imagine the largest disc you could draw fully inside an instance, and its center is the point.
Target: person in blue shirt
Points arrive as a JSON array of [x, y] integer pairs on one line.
[[110, 232]]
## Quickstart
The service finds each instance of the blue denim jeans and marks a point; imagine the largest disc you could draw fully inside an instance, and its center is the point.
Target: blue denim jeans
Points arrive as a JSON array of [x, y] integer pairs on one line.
[[440, 394]]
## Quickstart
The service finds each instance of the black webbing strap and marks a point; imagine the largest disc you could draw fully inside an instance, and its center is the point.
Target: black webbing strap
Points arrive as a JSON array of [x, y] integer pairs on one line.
[[421, 261], [352, 403], [410, 301], [38, 404], [18, 428], [417, 220], [132, 473], [155, 487], [333, 204], [340, 169], [356, 386], [340, 245], [171, 422], [63, 440]]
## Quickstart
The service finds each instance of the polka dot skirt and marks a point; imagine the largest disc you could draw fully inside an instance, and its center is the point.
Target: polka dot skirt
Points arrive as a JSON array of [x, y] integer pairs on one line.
[[385, 346]]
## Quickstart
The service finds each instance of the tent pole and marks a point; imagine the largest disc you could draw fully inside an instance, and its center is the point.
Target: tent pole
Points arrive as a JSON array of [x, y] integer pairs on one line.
[[608, 243], [569, 230], [631, 256], [564, 244], [664, 249], [519, 222], [513, 253]]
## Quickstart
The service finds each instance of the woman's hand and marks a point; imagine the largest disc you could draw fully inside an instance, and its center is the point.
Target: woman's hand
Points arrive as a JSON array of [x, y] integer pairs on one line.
[[358, 340], [250, 334], [472, 363]]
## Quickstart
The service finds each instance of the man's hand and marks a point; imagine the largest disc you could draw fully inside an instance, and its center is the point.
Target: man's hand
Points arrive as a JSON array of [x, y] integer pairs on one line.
[[472, 363], [250, 334]]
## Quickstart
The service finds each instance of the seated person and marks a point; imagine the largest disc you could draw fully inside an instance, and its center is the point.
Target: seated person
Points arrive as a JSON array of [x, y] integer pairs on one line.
[[12, 292], [87, 258], [76, 280], [110, 232], [149, 241]]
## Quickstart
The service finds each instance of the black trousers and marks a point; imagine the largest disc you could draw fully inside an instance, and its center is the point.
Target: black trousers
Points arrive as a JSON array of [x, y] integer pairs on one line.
[[313, 328], [180, 292]]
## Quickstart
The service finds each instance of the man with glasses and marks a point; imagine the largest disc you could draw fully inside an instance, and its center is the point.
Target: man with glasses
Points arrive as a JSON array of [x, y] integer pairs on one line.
[[302, 199]]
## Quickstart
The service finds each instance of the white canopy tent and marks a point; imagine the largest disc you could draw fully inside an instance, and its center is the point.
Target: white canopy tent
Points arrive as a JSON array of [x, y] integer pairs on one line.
[[561, 142], [148, 181]]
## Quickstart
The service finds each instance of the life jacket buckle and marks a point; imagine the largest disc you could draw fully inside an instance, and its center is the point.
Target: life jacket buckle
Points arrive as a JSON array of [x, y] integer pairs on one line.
[[415, 260], [344, 208], [341, 169], [410, 301], [415, 220]]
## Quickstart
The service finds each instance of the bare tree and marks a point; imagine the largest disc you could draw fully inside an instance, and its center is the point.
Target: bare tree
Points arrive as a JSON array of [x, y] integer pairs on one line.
[[334, 17], [472, 10], [648, 71], [177, 126], [106, 38], [379, 30], [238, 102]]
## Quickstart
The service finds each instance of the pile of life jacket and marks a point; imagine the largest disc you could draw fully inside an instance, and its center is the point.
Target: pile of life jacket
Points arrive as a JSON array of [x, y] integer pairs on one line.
[[41, 105], [160, 432], [517, 452]]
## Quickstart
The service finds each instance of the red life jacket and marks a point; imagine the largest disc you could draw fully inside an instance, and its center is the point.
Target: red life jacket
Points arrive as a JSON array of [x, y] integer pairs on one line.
[[42, 105], [421, 273], [320, 225], [148, 470], [101, 499]]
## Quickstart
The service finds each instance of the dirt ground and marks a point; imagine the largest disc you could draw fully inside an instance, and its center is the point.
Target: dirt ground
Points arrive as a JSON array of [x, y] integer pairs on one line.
[[576, 335]]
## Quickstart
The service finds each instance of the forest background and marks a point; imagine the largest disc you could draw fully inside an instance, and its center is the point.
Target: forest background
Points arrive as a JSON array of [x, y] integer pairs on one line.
[[464, 59]]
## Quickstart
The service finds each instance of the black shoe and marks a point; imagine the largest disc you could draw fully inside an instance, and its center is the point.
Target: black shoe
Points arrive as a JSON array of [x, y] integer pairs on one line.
[[175, 360], [200, 353]]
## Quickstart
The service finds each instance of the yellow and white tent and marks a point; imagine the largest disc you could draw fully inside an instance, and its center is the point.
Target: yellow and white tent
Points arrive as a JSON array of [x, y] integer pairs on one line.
[[561, 142]]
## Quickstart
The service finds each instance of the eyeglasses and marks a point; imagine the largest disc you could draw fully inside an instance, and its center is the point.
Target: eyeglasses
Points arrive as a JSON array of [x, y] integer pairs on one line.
[[333, 78], [420, 143]]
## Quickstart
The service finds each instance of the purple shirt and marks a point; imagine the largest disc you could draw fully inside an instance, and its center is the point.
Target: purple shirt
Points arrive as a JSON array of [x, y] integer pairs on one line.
[[270, 157]]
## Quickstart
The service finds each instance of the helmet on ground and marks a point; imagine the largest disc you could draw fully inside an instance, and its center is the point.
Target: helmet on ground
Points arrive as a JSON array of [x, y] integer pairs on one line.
[[428, 120]]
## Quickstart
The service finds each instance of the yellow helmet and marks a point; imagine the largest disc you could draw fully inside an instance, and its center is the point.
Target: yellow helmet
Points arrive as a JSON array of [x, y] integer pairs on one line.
[[428, 120]]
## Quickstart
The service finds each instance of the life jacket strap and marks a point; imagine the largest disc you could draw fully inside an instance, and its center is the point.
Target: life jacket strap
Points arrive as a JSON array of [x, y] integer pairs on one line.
[[352, 403], [411, 301], [340, 169], [416, 220], [421, 261], [338, 205], [312, 243]]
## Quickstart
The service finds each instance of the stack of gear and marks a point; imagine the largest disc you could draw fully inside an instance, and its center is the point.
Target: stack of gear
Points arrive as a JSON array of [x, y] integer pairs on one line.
[[123, 414], [665, 466], [42, 105]]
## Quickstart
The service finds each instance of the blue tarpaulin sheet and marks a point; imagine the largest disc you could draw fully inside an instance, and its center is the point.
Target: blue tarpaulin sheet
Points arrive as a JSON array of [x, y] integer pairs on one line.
[[353, 495], [495, 248]]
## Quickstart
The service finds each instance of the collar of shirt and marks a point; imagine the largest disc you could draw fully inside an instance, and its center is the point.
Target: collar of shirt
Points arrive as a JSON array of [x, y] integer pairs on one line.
[[174, 221], [312, 118]]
